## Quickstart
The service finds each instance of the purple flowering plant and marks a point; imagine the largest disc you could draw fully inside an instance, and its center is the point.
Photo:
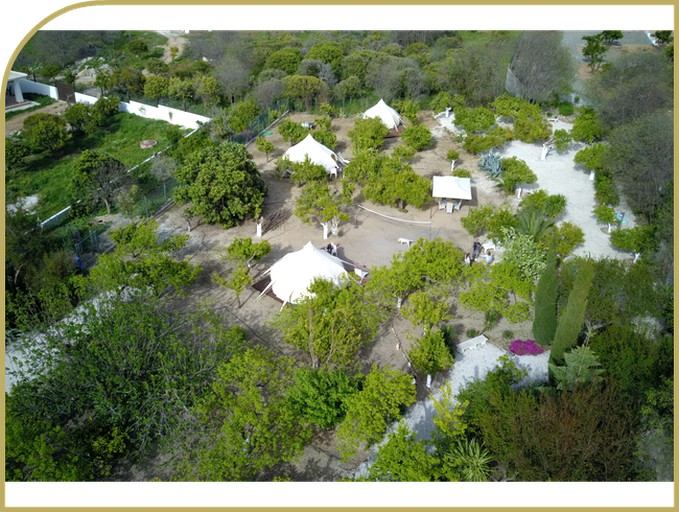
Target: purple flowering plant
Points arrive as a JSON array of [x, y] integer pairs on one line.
[[525, 348]]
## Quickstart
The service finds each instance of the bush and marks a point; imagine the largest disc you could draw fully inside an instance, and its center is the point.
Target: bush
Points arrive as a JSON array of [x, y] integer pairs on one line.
[[587, 127], [525, 347], [430, 353], [566, 108], [562, 140], [474, 120], [417, 136], [461, 172]]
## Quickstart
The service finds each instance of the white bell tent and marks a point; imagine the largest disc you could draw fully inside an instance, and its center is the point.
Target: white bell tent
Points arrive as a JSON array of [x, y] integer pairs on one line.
[[389, 117], [292, 275], [317, 153]]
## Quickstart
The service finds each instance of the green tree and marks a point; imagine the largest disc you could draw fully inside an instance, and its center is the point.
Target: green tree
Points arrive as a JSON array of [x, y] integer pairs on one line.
[[97, 178], [307, 89], [587, 126], [285, 59], [637, 240], [329, 52], [15, 153], [531, 127], [605, 214], [610, 37], [141, 261], [331, 324], [78, 116], [474, 120], [222, 183], [320, 395], [245, 250], [384, 395], [265, 146], [562, 139], [642, 152], [116, 386], [292, 131], [237, 280], [248, 424], [180, 89], [303, 172], [398, 185], [403, 459], [367, 134], [156, 87], [546, 294], [208, 89], [417, 136], [242, 114], [594, 51], [430, 354], [552, 206], [45, 132], [425, 310], [570, 322], [318, 201], [515, 172], [591, 157]]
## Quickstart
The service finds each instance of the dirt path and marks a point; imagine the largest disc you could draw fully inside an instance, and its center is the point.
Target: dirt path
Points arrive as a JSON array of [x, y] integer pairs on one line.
[[175, 38], [16, 123], [368, 239]]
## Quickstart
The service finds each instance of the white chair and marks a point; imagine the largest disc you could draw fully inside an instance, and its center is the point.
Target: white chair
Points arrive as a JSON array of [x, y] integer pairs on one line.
[[449, 207]]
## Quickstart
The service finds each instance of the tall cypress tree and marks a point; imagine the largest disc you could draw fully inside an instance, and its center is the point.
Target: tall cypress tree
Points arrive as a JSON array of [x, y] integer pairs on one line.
[[570, 322], [544, 323]]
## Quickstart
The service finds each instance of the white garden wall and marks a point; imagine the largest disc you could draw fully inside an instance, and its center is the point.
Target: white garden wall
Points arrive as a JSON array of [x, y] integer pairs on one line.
[[161, 112]]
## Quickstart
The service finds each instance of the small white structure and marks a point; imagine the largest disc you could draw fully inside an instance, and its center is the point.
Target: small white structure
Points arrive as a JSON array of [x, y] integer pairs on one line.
[[451, 191], [317, 153], [292, 275], [13, 94], [389, 117]]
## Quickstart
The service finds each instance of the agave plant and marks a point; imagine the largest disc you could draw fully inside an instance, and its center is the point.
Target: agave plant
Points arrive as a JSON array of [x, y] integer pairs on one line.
[[491, 163]]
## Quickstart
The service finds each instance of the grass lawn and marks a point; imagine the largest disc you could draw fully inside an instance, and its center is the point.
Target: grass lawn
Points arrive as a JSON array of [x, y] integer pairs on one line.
[[49, 176]]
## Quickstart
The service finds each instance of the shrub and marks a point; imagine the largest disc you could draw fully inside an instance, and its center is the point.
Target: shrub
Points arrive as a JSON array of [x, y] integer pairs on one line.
[[587, 127], [462, 173], [562, 140], [474, 120], [566, 108], [430, 353], [472, 333], [525, 348], [417, 136]]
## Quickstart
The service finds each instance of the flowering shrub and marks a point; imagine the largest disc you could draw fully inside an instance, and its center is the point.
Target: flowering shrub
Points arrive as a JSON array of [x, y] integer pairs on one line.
[[525, 348]]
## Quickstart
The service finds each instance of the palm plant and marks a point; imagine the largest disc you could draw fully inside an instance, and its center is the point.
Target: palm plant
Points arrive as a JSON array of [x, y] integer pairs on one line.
[[534, 223]]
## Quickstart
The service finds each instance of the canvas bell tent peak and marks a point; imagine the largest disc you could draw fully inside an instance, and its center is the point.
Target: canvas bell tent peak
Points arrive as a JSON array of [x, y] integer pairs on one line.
[[389, 117], [317, 153], [292, 275]]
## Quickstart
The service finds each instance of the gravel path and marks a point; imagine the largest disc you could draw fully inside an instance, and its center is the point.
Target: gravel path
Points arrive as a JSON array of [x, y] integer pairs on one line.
[[558, 174], [470, 365]]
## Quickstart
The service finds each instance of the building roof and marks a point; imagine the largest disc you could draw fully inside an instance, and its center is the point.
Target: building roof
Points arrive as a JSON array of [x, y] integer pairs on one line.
[[452, 187], [15, 75]]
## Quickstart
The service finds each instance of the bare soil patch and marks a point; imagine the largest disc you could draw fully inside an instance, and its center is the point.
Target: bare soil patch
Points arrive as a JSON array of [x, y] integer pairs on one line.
[[368, 239]]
